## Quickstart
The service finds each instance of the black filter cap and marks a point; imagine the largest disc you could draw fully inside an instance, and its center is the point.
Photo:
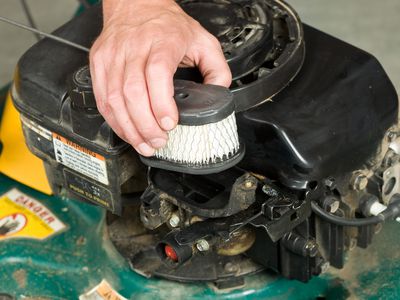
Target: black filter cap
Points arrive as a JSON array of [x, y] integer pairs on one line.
[[200, 104]]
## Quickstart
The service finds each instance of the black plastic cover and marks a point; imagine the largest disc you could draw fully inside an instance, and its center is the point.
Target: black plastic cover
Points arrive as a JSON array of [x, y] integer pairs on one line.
[[200, 104], [329, 120]]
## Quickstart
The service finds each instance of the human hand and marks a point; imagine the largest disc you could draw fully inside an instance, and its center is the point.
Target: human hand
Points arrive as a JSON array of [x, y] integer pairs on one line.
[[133, 62]]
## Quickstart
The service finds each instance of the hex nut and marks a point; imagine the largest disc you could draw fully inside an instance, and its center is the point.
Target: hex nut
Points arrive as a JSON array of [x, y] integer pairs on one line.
[[360, 182], [248, 184], [174, 220], [202, 245], [331, 204]]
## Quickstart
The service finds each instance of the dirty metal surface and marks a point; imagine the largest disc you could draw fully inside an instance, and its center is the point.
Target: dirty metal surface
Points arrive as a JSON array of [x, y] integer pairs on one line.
[[79, 258]]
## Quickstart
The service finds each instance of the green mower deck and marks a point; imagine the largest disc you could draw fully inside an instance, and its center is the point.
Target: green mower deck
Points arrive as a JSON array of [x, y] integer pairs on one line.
[[77, 259]]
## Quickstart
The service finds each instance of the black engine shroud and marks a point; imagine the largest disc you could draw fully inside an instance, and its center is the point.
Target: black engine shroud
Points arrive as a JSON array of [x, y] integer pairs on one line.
[[302, 132]]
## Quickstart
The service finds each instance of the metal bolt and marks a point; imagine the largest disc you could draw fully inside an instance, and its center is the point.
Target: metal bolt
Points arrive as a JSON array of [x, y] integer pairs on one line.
[[311, 248], [390, 158], [360, 182], [174, 220], [202, 245], [331, 204], [334, 207], [269, 191], [391, 136], [330, 183], [248, 184], [230, 267]]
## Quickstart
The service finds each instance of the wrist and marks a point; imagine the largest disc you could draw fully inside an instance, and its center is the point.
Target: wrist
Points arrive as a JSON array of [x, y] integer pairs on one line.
[[114, 6]]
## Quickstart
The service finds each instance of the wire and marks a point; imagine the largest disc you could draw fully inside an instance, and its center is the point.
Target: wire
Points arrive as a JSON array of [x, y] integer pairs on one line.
[[390, 212], [344, 221], [29, 16], [48, 35]]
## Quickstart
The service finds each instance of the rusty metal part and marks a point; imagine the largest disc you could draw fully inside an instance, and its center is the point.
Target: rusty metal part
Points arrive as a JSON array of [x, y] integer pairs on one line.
[[239, 242], [391, 183], [359, 181], [152, 219]]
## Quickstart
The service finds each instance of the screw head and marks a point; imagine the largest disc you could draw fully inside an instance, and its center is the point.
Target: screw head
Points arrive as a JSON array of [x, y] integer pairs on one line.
[[331, 204], [391, 136], [202, 245], [230, 267], [174, 220], [311, 248], [360, 182], [248, 184], [333, 207], [269, 191], [330, 183]]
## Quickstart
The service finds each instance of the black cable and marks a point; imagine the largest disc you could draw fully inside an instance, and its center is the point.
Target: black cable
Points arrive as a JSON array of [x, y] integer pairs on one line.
[[48, 35], [390, 212], [29, 16]]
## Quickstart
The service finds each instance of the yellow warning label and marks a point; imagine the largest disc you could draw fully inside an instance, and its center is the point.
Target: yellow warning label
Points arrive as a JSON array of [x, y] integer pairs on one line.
[[77, 147], [80, 159], [24, 217]]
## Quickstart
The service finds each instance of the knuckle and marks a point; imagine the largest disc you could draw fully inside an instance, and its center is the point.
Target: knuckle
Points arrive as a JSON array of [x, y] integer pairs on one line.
[[105, 109], [227, 76], [148, 131], [120, 133], [214, 42], [102, 108], [128, 132], [193, 23], [113, 101], [134, 88], [134, 140], [156, 61], [157, 67], [103, 51], [95, 56]]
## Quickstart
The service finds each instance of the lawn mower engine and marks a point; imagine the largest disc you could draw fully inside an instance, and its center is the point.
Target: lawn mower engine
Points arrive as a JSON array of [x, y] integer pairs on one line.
[[318, 170]]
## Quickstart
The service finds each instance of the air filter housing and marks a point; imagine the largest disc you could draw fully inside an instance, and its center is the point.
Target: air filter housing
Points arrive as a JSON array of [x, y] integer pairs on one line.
[[205, 139]]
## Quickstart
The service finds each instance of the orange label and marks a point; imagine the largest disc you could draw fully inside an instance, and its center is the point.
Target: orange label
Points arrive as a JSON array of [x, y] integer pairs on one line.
[[77, 147], [80, 159]]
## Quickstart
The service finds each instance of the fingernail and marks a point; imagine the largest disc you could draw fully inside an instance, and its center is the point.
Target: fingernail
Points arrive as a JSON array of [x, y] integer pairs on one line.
[[167, 123], [158, 142], [145, 149]]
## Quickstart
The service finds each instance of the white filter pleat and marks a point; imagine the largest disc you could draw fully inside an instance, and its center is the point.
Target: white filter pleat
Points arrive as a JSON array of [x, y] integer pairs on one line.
[[201, 145]]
